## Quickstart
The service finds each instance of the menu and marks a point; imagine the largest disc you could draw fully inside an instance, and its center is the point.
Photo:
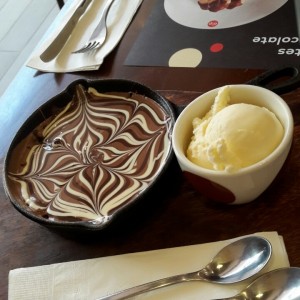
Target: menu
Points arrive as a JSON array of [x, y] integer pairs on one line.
[[253, 34]]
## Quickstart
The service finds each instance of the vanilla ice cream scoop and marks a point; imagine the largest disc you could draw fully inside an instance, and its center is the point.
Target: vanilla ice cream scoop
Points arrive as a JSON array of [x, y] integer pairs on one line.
[[233, 136]]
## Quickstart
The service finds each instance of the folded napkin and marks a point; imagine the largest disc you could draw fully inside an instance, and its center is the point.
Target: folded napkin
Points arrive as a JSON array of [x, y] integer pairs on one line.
[[118, 19], [92, 278]]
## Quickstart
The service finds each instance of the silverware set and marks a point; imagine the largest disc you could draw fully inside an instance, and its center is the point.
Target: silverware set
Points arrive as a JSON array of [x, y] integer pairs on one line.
[[235, 262], [96, 40]]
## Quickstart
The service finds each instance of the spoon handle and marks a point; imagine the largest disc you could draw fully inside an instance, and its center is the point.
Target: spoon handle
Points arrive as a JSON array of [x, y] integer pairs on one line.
[[236, 297], [151, 286]]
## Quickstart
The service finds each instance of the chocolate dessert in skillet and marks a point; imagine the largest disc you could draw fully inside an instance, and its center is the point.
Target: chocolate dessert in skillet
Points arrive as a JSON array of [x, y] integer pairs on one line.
[[91, 157]]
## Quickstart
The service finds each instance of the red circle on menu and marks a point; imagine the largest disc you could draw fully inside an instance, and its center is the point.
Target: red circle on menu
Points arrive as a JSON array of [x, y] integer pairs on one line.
[[212, 23], [217, 47]]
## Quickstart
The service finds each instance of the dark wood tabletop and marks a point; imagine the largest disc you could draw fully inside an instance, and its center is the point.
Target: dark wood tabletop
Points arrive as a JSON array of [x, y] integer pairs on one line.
[[173, 214]]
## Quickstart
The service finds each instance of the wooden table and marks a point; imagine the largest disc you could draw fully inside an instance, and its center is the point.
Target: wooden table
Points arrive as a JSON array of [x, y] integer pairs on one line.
[[174, 214]]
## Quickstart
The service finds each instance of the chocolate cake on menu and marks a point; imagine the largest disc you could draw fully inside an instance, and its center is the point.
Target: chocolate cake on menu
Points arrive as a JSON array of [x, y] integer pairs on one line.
[[217, 5], [92, 156]]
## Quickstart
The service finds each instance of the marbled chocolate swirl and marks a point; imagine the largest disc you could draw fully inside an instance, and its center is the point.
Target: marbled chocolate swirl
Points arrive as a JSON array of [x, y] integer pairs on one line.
[[99, 152]]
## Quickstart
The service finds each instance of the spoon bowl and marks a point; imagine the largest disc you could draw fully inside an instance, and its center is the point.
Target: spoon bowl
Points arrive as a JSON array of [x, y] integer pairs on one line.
[[233, 263], [279, 284], [238, 261]]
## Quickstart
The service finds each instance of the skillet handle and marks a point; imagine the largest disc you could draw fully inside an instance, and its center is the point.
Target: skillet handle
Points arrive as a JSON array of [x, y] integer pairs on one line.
[[280, 81]]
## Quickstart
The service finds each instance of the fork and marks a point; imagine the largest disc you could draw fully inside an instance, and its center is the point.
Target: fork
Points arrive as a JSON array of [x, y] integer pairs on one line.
[[98, 36]]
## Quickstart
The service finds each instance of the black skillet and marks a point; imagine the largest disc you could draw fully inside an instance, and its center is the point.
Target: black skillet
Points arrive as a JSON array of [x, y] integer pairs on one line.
[[55, 105]]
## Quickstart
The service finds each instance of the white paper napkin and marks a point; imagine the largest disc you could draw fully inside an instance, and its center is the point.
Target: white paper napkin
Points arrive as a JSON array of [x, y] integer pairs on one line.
[[118, 19], [92, 278]]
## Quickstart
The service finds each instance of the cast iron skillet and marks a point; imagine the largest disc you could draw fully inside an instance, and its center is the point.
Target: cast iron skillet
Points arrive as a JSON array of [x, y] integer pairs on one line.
[[60, 101]]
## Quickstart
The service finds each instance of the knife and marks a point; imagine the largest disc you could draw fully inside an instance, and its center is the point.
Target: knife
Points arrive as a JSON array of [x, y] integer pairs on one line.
[[297, 12], [55, 47]]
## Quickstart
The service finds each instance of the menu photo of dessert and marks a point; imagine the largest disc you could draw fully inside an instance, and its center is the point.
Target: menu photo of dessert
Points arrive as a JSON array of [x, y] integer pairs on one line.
[[216, 5], [219, 14]]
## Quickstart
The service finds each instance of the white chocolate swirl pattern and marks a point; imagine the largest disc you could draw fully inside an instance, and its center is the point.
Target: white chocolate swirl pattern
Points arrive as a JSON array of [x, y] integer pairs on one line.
[[99, 152]]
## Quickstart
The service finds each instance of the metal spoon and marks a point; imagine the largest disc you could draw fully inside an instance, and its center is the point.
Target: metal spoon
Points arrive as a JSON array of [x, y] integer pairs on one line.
[[235, 262], [280, 284]]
